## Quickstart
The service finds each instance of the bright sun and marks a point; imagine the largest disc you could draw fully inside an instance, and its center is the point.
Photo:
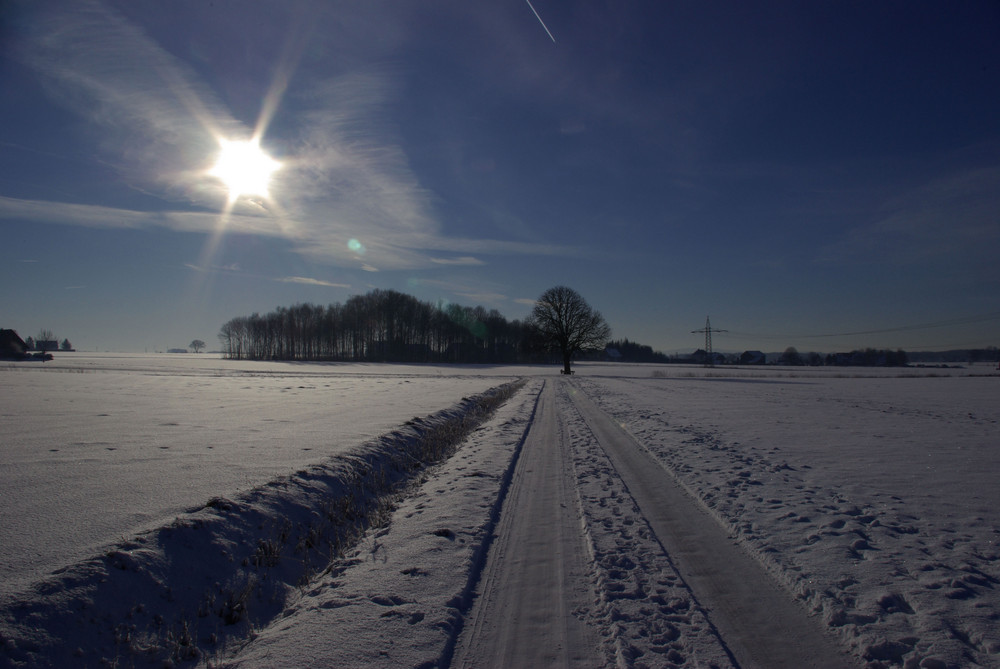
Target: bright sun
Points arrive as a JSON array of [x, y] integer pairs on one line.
[[244, 168]]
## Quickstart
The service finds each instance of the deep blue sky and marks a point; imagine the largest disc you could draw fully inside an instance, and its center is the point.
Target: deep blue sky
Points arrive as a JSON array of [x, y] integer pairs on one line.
[[796, 170]]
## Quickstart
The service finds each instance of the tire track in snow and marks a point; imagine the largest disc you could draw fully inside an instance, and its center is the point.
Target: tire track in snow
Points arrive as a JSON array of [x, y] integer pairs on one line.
[[649, 616], [759, 622], [534, 597]]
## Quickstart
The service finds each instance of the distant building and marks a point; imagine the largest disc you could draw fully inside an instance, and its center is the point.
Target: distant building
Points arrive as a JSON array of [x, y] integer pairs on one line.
[[11, 345], [752, 358], [177, 350], [612, 354], [46, 345]]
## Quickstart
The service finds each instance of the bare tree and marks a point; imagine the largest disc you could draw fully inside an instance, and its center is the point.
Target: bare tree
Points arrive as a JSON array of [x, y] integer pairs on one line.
[[197, 345], [566, 320], [382, 325], [46, 341]]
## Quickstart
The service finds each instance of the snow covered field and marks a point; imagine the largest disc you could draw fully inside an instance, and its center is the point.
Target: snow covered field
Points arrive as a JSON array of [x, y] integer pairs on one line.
[[870, 495], [875, 500], [99, 447]]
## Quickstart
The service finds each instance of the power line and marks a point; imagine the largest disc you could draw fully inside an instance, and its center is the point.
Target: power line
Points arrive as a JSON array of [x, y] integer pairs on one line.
[[967, 320], [709, 360]]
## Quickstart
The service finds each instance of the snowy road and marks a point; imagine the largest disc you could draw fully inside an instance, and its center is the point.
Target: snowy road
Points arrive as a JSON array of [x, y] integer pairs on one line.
[[533, 602], [536, 584], [757, 621]]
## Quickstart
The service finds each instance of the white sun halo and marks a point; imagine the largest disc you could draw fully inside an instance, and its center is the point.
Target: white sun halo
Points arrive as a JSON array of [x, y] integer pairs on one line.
[[244, 168]]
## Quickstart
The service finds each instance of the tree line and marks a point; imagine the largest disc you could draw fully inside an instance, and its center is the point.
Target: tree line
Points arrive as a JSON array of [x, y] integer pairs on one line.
[[383, 326], [631, 351], [868, 357], [47, 342]]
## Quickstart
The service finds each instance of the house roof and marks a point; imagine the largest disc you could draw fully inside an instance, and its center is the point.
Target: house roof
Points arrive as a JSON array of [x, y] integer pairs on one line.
[[11, 342]]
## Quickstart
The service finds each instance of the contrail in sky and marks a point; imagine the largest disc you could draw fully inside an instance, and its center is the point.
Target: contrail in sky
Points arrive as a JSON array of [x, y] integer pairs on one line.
[[541, 21]]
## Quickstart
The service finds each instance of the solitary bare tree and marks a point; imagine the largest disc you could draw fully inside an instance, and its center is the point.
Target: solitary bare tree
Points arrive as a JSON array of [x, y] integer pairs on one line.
[[46, 341], [566, 320], [197, 345]]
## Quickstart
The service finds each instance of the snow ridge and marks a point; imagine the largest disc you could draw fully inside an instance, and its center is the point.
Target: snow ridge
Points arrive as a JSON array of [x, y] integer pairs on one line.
[[396, 599], [215, 576]]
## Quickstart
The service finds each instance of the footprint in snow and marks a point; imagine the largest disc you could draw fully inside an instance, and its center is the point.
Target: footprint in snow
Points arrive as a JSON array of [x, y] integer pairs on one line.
[[391, 600]]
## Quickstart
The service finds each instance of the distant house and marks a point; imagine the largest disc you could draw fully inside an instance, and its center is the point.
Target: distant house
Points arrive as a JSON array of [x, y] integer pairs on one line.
[[752, 358], [46, 345], [11, 345], [612, 354]]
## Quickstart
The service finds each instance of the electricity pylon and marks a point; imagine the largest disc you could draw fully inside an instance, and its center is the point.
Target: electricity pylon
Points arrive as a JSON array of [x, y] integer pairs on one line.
[[709, 359]]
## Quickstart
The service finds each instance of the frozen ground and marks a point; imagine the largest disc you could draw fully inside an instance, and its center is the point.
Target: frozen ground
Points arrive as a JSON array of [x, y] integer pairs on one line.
[[871, 501]]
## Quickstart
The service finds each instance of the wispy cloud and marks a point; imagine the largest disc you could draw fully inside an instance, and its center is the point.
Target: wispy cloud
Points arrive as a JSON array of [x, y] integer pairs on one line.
[[230, 268], [234, 268], [306, 281], [952, 215], [345, 175], [475, 291], [380, 252], [464, 260], [485, 298], [154, 118], [96, 216]]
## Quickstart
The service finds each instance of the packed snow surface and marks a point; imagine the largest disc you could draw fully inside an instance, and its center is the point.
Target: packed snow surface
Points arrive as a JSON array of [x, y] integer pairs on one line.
[[870, 496]]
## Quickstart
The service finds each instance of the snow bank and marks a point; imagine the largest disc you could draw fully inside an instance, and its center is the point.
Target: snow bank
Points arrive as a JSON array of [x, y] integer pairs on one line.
[[102, 450], [218, 573], [399, 599]]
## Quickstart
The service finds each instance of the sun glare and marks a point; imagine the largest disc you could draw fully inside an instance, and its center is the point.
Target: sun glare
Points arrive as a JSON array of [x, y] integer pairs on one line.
[[244, 169]]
